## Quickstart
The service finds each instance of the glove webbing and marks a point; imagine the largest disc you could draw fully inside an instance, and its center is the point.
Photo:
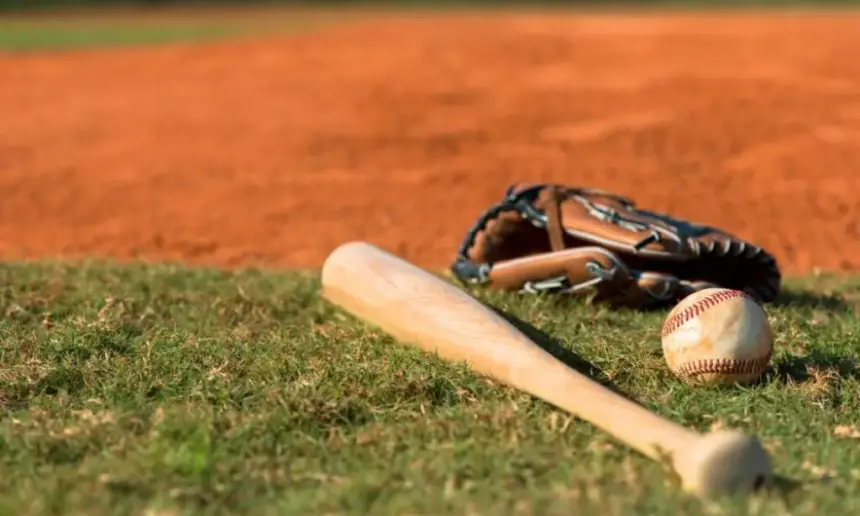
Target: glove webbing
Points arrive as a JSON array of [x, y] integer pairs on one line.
[[465, 269]]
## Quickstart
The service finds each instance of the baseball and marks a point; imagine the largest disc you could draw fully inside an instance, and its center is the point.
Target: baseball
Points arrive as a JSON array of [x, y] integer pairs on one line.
[[717, 335]]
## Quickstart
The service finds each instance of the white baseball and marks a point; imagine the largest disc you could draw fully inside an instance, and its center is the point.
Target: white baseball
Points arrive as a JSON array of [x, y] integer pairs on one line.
[[717, 335]]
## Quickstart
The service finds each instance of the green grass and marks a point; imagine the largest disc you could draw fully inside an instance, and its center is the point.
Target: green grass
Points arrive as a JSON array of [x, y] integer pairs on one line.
[[126, 389], [100, 29], [32, 38]]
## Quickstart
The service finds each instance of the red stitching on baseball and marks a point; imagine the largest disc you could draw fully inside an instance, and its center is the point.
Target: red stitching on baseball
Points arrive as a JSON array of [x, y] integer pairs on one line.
[[700, 307], [723, 366]]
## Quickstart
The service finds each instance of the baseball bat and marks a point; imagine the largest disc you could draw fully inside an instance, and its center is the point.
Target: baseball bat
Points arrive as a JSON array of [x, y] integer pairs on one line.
[[421, 309]]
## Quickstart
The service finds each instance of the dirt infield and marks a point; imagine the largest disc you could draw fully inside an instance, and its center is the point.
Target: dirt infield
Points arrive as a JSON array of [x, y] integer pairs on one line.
[[399, 131]]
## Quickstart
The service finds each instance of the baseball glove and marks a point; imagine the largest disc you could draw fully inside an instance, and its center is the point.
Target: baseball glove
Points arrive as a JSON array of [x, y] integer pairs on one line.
[[569, 240]]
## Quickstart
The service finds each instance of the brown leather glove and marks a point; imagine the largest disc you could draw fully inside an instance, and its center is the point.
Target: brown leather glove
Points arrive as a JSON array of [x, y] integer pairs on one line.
[[567, 240]]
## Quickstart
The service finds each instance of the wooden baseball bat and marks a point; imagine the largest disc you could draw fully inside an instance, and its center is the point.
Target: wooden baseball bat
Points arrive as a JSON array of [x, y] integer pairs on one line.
[[424, 310]]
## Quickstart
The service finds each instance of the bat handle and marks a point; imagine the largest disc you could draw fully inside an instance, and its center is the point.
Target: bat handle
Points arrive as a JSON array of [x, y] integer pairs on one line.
[[708, 465], [628, 421]]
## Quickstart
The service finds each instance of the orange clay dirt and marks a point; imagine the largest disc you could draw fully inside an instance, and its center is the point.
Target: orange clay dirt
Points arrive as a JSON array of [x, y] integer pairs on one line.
[[401, 130]]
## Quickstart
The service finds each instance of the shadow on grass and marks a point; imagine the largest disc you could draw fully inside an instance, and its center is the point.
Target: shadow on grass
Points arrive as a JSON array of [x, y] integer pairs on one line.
[[554, 348], [792, 491], [810, 299], [815, 365]]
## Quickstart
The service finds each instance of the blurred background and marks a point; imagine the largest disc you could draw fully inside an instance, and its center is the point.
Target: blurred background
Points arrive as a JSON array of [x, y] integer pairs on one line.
[[264, 133]]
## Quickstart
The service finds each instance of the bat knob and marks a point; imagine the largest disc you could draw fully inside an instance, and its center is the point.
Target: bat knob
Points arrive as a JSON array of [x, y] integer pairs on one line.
[[727, 463]]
